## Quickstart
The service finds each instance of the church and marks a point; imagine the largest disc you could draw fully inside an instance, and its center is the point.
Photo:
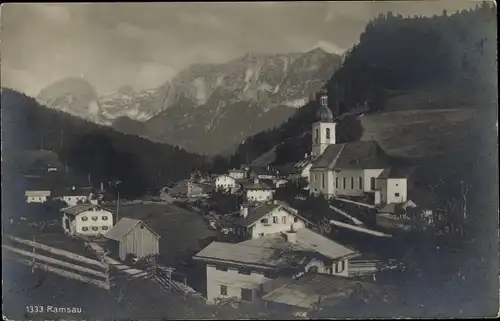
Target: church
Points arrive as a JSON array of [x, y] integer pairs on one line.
[[350, 169]]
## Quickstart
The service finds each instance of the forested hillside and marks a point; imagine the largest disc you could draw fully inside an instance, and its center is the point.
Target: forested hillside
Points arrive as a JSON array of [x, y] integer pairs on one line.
[[396, 59], [88, 148]]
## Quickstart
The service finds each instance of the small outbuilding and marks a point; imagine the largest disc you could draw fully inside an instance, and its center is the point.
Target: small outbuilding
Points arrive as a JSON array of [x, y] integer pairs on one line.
[[130, 236]]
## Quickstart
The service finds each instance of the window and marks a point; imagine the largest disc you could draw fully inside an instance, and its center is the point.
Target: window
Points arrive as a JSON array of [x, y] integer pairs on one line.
[[352, 182], [295, 219], [396, 194], [104, 228], [328, 133], [84, 218], [223, 290], [324, 101], [336, 182], [372, 183], [275, 219], [344, 181], [244, 271], [329, 270], [361, 183], [246, 295], [264, 221], [261, 234], [95, 218], [283, 220], [220, 268], [95, 228], [323, 180], [317, 136], [104, 218], [85, 229]]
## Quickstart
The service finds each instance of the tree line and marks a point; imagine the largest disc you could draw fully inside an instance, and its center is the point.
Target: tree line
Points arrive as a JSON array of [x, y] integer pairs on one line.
[[92, 150]]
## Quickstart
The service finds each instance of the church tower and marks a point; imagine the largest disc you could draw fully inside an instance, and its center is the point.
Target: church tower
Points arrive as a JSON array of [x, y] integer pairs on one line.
[[323, 130]]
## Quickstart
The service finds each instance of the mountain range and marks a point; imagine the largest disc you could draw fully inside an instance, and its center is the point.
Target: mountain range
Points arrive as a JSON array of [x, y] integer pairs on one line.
[[205, 108]]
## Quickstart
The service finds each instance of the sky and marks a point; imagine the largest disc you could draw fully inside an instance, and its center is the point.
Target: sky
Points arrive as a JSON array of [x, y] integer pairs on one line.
[[146, 44]]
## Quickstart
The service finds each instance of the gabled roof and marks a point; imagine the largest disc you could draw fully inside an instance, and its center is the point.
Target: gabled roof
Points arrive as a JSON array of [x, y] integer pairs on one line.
[[397, 172], [312, 288], [263, 171], [258, 212], [275, 251], [40, 192], [356, 155], [237, 170], [225, 175], [80, 208], [123, 227], [300, 165], [69, 191], [261, 185]]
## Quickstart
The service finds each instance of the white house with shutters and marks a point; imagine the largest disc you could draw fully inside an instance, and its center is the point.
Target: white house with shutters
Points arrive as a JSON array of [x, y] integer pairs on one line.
[[238, 173], [226, 183], [37, 196], [86, 219], [261, 219], [74, 195], [258, 191]]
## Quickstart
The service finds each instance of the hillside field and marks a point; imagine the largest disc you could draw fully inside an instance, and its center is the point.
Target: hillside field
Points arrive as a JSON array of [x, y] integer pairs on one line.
[[413, 133]]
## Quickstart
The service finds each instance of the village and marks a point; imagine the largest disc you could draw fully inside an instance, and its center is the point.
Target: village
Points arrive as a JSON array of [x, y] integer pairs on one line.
[[301, 238]]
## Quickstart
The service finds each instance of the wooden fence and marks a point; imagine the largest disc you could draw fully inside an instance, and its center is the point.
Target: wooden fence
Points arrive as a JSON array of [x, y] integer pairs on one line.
[[57, 261]]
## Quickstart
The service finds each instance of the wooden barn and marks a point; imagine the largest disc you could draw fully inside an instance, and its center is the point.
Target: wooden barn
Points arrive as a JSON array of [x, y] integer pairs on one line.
[[133, 237]]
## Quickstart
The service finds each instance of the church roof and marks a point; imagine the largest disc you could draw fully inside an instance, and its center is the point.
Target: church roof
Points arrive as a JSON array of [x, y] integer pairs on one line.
[[397, 172], [355, 155], [324, 114]]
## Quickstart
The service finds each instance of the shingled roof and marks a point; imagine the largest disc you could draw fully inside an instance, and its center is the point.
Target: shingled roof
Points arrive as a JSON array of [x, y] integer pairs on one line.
[[80, 208], [269, 250], [123, 227], [397, 172], [259, 211], [356, 155]]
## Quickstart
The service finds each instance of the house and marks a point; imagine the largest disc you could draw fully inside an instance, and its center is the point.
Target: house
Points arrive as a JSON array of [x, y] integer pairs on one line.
[[280, 183], [74, 195], [404, 216], [226, 183], [86, 219], [240, 270], [264, 173], [393, 184], [349, 169], [238, 173], [300, 170], [37, 196], [132, 237], [265, 218], [258, 191], [186, 188]]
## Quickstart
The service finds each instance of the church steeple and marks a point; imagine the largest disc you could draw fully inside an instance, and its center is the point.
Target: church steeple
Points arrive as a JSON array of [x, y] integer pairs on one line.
[[323, 129]]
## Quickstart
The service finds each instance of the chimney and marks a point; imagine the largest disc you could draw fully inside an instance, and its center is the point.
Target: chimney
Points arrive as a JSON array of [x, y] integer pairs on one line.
[[73, 188], [243, 210], [291, 236]]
